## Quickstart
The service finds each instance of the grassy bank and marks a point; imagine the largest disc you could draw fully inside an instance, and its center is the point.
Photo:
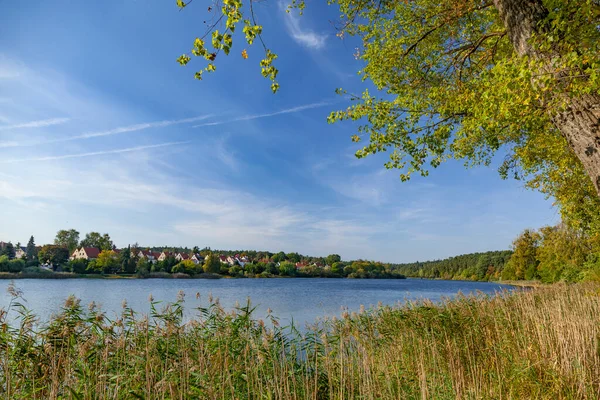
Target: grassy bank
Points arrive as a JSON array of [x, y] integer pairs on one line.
[[536, 344]]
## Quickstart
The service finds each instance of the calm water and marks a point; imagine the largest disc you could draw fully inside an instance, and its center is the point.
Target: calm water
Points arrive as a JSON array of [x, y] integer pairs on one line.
[[304, 300]]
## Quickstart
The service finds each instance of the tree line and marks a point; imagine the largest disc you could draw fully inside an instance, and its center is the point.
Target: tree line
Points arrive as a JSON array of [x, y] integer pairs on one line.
[[486, 266]]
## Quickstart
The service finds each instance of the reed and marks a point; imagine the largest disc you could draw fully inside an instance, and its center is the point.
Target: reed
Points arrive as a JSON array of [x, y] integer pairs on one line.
[[532, 344]]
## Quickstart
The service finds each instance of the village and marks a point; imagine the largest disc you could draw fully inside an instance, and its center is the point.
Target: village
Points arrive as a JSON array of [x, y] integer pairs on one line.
[[153, 257], [97, 255]]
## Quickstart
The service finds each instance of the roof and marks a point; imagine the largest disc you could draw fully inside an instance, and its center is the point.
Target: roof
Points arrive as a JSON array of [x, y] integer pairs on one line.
[[149, 253], [91, 252]]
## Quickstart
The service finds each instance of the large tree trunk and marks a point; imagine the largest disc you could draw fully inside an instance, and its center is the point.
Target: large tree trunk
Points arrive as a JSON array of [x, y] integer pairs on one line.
[[579, 123]]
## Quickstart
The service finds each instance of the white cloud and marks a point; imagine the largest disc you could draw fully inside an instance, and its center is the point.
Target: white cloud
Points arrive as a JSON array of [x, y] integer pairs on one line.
[[109, 132], [272, 114], [205, 214], [303, 36], [36, 124], [93, 153]]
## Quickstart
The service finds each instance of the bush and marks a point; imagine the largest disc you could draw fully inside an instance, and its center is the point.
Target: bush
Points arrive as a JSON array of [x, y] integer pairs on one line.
[[4, 263], [16, 265], [236, 270], [78, 266]]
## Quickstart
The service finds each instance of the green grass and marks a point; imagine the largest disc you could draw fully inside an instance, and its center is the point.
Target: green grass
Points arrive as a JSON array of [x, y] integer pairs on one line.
[[533, 344]]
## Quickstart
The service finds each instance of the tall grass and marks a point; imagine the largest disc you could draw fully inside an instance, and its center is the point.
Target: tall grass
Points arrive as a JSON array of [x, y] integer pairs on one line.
[[538, 344]]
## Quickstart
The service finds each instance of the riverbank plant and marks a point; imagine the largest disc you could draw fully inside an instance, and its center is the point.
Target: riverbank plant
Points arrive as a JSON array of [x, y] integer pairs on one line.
[[532, 344]]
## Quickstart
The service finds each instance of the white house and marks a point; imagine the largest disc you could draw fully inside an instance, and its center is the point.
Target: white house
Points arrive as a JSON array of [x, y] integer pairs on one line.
[[20, 252], [86, 253], [182, 256]]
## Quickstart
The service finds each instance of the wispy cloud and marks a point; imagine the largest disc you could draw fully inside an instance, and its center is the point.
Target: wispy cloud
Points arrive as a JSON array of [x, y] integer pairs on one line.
[[303, 36], [35, 124], [257, 116], [109, 132], [94, 153]]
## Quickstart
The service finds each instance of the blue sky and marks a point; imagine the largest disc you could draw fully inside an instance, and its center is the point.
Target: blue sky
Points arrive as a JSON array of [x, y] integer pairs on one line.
[[101, 130]]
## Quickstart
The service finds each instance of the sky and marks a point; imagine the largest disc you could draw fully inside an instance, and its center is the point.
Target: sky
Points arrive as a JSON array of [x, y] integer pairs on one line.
[[102, 130]]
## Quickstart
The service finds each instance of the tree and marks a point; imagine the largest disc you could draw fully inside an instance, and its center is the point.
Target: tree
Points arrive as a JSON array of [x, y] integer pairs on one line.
[[186, 267], [9, 251], [142, 267], [287, 268], [561, 253], [332, 258], [212, 264], [293, 257], [95, 239], [271, 268], [4, 263], [337, 268], [16, 265], [464, 80], [127, 265], [279, 257], [107, 262], [31, 250], [78, 265], [53, 254], [67, 238], [523, 262]]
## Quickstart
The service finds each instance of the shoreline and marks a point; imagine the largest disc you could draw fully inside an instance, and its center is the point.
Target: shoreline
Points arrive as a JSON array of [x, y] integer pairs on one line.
[[70, 275]]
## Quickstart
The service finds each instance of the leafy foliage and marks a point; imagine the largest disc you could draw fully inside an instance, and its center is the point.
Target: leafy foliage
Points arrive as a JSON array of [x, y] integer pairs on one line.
[[225, 17], [553, 254], [68, 238], [31, 250], [54, 254], [95, 239], [212, 264], [450, 85], [474, 266], [8, 251]]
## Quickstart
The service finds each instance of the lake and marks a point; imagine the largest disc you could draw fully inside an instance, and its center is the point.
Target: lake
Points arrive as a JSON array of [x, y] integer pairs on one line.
[[300, 299]]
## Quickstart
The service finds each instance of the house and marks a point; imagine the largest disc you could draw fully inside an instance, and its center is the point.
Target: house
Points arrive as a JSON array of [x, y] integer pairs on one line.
[[164, 255], [20, 252], [301, 265], [149, 255], [223, 259], [197, 259], [231, 260], [182, 256], [85, 253]]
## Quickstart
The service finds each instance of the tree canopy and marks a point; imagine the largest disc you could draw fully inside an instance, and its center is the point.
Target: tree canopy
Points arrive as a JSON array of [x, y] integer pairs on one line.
[[95, 239], [68, 238], [466, 80]]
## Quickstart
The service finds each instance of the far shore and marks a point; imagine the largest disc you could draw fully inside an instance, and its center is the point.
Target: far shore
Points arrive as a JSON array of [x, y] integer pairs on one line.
[[70, 275], [152, 275]]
